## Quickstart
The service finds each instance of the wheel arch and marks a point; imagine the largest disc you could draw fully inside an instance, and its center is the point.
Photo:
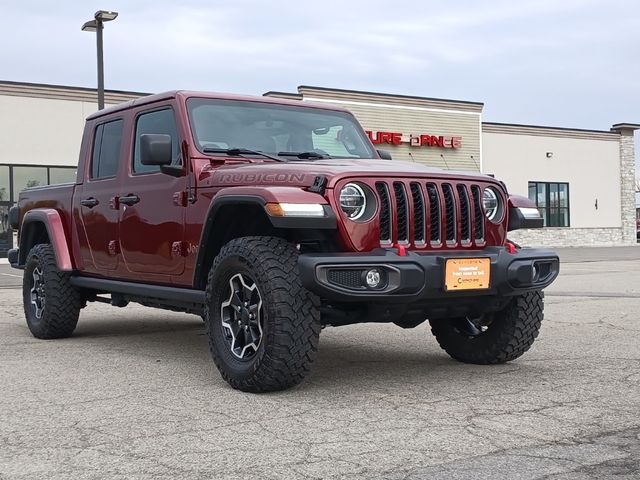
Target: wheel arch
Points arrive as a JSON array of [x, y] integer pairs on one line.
[[227, 220], [44, 226]]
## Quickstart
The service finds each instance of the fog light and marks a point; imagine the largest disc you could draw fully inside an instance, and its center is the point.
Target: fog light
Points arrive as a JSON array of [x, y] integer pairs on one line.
[[373, 278]]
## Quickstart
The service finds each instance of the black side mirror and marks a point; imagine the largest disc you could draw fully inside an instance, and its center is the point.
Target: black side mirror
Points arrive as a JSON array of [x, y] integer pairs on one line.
[[384, 154], [155, 149]]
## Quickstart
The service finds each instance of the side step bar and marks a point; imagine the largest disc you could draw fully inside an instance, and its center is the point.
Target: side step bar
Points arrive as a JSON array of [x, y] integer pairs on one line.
[[182, 295]]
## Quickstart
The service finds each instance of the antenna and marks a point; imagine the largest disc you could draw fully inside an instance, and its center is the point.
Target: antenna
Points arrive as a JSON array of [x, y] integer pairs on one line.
[[445, 161], [411, 157], [474, 161]]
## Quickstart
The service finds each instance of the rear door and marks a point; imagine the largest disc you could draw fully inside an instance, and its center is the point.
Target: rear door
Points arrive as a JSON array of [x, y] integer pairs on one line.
[[152, 211], [97, 201]]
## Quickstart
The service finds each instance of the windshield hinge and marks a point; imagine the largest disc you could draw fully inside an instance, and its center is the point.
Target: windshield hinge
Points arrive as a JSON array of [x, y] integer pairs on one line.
[[319, 185]]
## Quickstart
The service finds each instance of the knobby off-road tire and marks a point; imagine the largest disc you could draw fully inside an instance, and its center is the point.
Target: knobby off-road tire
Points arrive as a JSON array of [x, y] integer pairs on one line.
[[51, 304], [285, 315], [509, 333]]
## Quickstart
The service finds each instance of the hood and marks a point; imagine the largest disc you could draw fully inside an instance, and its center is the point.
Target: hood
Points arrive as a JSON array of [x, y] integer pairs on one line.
[[304, 173]]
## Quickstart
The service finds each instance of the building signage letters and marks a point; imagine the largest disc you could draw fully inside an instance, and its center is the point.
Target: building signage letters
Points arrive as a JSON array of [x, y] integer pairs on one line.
[[414, 140]]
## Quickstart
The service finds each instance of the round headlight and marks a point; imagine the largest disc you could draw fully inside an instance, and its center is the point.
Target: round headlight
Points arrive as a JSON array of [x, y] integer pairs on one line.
[[353, 201], [492, 204]]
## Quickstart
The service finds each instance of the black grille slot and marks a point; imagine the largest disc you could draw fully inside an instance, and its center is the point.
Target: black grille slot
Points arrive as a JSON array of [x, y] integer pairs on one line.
[[385, 212], [478, 214], [349, 278], [465, 213], [434, 213], [449, 212], [403, 211], [418, 212]]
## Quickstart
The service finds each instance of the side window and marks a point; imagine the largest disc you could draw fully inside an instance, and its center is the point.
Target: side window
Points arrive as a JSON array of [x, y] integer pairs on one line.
[[106, 149], [160, 121]]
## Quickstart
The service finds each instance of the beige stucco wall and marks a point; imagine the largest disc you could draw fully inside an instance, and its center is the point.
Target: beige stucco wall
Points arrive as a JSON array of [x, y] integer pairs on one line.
[[413, 116], [414, 120], [42, 131], [590, 166], [43, 124]]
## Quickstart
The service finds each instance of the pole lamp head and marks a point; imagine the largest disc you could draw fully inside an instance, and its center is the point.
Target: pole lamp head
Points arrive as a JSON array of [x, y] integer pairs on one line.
[[90, 26], [99, 18], [105, 15]]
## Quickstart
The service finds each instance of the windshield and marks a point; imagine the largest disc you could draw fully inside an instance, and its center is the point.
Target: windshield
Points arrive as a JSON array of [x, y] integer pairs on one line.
[[285, 130]]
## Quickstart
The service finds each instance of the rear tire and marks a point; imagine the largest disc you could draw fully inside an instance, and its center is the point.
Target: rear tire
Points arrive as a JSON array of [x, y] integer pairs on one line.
[[263, 326], [51, 304], [493, 338]]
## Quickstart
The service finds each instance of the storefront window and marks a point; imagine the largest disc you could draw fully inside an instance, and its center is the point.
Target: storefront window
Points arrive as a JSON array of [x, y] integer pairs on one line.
[[62, 175], [5, 186], [5, 197], [552, 199], [27, 177], [24, 176]]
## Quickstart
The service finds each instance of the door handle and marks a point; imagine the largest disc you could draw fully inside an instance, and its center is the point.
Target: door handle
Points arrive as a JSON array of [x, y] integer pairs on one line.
[[89, 202], [129, 200]]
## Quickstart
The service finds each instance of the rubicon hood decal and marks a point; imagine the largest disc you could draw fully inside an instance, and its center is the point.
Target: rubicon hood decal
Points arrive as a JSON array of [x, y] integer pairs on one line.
[[304, 173]]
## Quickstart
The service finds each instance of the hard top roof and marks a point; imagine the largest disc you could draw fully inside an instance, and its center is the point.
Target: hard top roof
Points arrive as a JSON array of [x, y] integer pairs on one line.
[[158, 97]]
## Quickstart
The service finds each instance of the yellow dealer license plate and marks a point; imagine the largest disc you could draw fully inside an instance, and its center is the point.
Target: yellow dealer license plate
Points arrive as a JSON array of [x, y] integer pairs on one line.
[[467, 274]]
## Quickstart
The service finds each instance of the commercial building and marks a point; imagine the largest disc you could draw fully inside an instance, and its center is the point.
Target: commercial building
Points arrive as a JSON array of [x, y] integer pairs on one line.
[[582, 180], [40, 131]]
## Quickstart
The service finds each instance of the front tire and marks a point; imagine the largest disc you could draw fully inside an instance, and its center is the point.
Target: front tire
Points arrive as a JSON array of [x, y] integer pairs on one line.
[[263, 326], [493, 338], [51, 304]]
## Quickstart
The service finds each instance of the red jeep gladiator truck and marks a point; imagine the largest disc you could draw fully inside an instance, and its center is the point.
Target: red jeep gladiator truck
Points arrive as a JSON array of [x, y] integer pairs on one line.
[[273, 219]]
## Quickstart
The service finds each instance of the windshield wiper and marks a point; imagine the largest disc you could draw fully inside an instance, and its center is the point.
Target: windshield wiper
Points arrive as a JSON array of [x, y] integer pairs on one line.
[[236, 152], [304, 155]]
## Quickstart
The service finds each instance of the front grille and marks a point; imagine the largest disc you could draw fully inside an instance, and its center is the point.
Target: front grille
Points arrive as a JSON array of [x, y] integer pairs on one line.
[[349, 278], [430, 213]]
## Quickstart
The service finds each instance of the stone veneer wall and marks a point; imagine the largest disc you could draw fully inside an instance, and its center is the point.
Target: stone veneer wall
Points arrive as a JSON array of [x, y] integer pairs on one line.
[[627, 186], [570, 237]]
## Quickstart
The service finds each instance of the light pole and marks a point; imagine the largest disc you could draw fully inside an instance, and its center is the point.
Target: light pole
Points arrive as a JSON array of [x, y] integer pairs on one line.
[[96, 25]]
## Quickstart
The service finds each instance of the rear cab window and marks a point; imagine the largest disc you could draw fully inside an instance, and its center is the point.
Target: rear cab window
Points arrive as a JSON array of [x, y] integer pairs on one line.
[[106, 149]]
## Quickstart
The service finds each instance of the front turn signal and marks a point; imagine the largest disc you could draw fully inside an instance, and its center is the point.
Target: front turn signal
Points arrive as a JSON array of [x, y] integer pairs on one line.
[[295, 209]]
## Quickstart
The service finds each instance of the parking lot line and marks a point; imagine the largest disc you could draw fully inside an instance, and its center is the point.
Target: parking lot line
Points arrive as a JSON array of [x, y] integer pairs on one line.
[[11, 275]]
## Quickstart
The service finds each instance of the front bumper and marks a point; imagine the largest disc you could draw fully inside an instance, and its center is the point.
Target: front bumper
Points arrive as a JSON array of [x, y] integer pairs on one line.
[[419, 277]]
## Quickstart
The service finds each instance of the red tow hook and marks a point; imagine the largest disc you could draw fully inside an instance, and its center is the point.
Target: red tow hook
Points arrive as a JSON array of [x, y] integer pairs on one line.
[[402, 251], [511, 247]]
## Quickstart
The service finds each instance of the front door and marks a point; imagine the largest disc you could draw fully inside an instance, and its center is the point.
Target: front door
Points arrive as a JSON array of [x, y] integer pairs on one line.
[[152, 211], [97, 202]]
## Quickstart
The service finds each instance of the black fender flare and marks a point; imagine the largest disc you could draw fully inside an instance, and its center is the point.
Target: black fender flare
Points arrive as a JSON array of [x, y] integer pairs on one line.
[[328, 222]]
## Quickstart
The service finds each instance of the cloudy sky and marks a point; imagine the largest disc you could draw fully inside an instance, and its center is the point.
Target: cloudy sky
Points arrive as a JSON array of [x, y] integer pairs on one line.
[[550, 62]]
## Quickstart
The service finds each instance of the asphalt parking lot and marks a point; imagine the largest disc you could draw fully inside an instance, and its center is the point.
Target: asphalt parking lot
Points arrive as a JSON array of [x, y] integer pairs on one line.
[[133, 394]]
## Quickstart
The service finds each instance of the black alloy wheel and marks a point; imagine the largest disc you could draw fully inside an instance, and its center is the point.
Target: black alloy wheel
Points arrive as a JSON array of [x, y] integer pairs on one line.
[[51, 304], [263, 326], [241, 316]]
